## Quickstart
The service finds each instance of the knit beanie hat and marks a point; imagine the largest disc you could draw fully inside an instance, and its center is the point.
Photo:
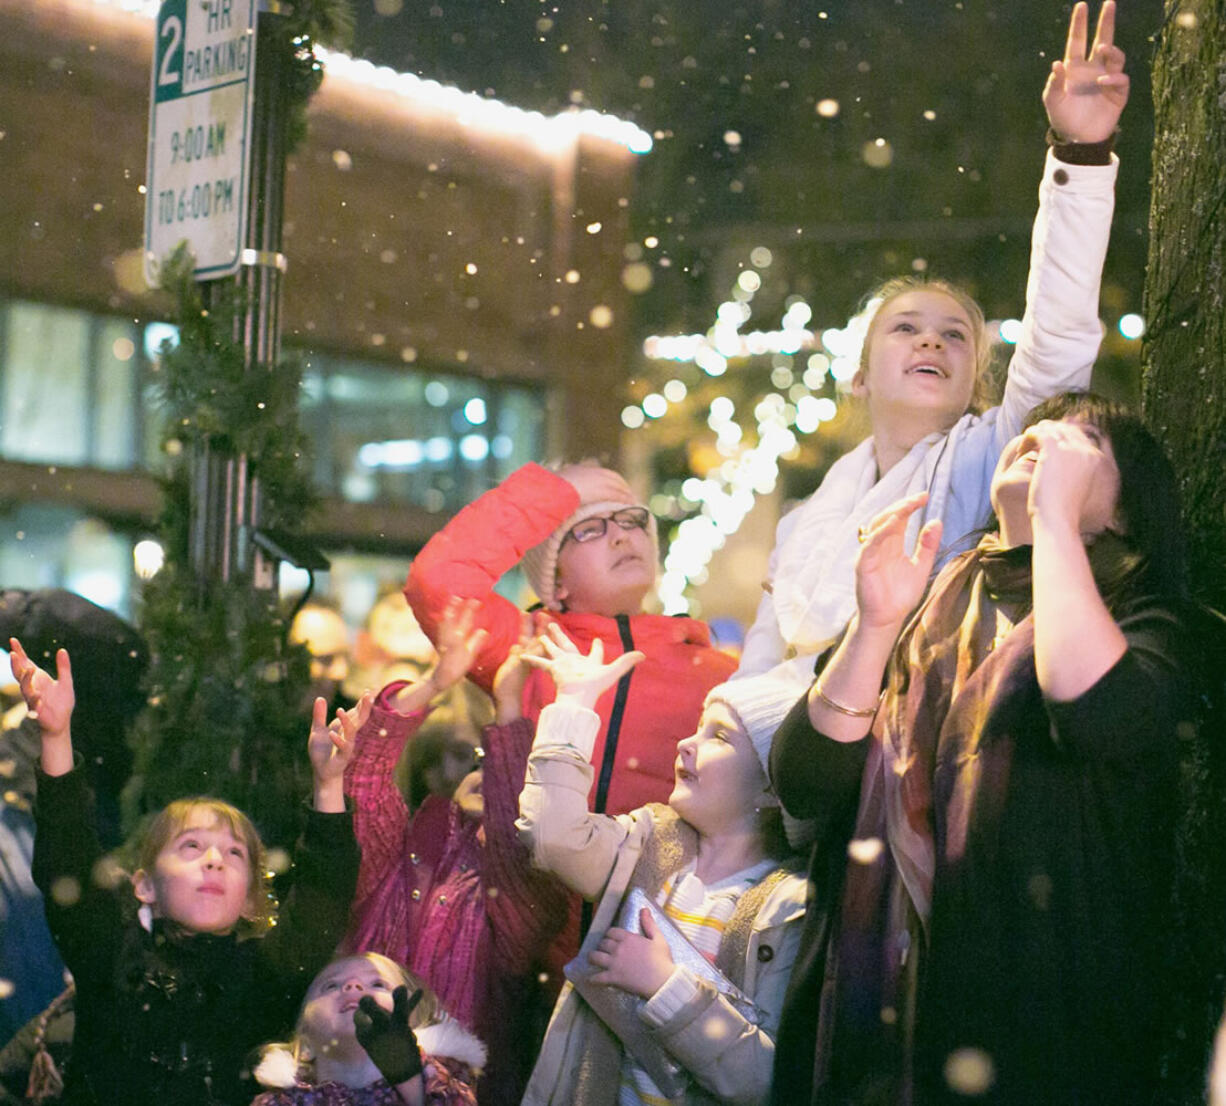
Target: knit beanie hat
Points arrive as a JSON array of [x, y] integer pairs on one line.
[[761, 703], [540, 563]]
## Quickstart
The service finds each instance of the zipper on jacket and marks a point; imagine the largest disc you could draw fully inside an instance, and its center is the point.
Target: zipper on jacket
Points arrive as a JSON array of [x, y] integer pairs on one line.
[[610, 751], [615, 720]]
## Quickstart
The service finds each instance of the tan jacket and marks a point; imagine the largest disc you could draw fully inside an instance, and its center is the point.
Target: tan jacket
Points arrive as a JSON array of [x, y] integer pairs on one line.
[[729, 1057]]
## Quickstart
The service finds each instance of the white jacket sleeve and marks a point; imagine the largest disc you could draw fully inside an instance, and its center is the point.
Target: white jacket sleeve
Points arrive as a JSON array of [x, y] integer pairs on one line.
[[727, 1056], [564, 837], [1061, 330]]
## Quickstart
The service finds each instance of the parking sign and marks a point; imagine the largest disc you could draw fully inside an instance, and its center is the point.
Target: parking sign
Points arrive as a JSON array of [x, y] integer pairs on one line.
[[201, 97]]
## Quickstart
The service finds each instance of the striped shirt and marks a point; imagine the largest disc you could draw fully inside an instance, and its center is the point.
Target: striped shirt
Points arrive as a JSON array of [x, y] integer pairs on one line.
[[701, 912]]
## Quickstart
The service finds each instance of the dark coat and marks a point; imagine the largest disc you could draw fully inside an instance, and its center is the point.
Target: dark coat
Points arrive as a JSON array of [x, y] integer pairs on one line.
[[1046, 952], [163, 1017]]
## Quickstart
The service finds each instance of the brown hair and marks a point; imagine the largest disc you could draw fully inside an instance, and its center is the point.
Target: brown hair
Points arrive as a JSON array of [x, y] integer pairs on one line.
[[900, 285], [168, 823], [458, 718]]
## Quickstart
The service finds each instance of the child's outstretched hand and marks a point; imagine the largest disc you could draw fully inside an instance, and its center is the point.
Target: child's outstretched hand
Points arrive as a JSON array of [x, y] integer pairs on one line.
[[1086, 93], [458, 642], [458, 647], [638, 963], [580, 678], [330, 748], [51, 701], [387, 1036], [512, 675]]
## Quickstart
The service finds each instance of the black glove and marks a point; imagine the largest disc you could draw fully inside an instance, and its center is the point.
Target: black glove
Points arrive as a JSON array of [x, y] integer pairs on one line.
[[387, 1038]]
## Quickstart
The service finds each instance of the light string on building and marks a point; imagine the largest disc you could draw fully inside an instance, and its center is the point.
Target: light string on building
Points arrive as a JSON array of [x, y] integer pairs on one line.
[[468, 108]]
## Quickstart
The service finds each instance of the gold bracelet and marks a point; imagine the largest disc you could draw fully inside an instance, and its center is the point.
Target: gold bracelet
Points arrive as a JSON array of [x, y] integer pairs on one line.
[[851, 712]]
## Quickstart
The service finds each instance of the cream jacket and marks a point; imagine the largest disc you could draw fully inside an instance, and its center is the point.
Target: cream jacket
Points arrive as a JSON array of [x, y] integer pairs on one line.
[[729, 1057]]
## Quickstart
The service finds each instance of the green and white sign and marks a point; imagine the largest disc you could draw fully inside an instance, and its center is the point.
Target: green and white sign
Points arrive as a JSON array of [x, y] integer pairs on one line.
[[199, 121]]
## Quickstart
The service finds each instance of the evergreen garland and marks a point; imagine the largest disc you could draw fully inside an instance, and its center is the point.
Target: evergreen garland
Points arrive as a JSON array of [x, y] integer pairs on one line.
[[328, 22], [226, 692]]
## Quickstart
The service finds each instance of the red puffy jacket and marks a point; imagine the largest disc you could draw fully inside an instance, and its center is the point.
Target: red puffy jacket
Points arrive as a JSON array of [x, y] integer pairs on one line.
[[648, 712]]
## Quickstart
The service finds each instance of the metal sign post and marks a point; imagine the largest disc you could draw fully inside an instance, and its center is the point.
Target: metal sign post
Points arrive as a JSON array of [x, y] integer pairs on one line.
[[216, 178]]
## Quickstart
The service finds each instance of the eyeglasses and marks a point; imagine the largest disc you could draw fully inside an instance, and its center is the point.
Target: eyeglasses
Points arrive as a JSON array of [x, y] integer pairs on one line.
[[629, 518]]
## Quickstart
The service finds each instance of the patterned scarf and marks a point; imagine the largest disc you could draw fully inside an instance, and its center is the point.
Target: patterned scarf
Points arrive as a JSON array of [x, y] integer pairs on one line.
[[974, 604], [977, 615]]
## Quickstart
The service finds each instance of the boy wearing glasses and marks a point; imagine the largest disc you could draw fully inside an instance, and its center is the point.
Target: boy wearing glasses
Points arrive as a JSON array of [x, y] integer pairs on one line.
[[589, 549]]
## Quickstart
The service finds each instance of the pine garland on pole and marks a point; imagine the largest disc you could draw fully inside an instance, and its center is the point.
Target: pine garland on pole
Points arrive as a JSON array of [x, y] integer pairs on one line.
[[227, 712], [225, 690]]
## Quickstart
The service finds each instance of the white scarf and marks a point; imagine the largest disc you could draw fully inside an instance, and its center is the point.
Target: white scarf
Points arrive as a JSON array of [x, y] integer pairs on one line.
[[814, 587]]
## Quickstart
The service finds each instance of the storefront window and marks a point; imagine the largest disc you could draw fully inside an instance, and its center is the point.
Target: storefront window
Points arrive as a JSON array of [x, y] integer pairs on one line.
[[76, 389], [45, 395], [45, 545], [432, 439]]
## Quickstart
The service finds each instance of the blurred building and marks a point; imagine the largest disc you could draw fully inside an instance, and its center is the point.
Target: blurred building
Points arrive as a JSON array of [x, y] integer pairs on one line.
[[454, 289]]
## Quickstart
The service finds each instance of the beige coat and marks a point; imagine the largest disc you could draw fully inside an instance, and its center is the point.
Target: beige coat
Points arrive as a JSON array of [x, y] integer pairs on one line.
[[729, 1057]]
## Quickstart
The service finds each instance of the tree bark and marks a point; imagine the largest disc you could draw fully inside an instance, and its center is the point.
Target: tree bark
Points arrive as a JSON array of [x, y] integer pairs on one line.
[[1184, 381]]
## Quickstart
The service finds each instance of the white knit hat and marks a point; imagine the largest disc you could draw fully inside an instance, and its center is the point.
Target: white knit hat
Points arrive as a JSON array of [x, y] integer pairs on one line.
[[540, 563], [761, 703]]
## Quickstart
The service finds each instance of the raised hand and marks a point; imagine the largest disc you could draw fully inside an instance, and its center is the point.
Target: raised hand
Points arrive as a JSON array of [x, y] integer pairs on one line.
[[1076, 483], [638, 963], [595, 484], [458, 643], [387, 1036], [51, 701], [456, 650], [1086, 92], [580, 678], [512, 675], [331, 746], [888, 582]]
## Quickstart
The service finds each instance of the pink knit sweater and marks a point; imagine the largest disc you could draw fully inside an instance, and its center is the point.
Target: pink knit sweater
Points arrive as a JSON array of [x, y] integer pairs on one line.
[[448, 1083], [455, 900]]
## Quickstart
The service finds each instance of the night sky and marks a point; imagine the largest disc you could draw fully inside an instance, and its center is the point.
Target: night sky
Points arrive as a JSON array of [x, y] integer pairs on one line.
[[743, 155]]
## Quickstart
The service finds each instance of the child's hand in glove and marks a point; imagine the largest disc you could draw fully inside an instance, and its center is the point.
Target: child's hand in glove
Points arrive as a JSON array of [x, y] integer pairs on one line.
[[387, 1038]]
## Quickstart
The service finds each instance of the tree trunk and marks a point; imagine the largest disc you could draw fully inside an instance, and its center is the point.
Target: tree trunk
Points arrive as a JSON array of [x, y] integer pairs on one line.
[[1184, 400], [1184, 385]]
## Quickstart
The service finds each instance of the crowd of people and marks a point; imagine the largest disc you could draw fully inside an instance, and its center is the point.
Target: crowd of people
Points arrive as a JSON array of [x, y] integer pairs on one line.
[[940, 834]]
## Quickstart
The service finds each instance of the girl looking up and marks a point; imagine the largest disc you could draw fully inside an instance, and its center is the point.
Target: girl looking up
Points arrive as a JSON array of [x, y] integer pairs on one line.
[[1004, 927], [170, 999], [589, 548], [369, 1034], [922, 363], [713, 862]]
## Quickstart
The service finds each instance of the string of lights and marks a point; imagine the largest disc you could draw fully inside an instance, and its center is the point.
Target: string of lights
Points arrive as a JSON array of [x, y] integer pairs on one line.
[[479, 112], [750, 468]]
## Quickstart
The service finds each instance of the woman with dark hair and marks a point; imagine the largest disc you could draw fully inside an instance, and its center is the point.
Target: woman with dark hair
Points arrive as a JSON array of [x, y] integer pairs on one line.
[[999, 849]]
